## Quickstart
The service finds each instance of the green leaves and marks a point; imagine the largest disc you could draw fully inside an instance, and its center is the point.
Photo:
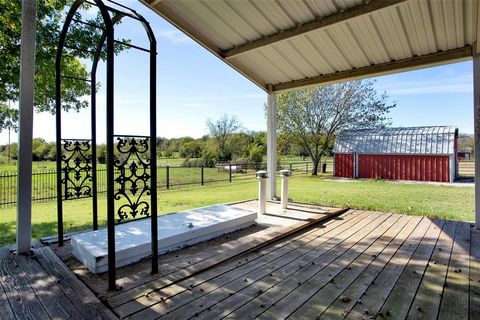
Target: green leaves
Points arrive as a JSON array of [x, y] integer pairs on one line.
[[50, 18], [312, 117], [8, 117]]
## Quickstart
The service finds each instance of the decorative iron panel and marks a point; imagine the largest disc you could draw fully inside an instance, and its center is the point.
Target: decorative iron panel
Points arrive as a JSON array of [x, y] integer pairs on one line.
[[132, 167], [77, 168]]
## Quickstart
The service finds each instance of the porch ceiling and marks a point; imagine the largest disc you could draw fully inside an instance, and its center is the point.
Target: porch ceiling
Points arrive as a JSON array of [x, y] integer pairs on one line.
[[290, 44]]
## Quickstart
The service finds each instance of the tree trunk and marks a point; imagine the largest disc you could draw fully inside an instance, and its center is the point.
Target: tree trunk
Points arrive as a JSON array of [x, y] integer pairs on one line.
[[315, 167]]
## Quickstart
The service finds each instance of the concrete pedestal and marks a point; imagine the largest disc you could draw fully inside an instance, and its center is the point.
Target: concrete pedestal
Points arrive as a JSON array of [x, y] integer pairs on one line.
[[285, 174], [262, 178]]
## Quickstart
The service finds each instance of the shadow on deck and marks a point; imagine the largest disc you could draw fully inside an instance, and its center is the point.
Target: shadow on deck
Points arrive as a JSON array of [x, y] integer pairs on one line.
[[355, 265]]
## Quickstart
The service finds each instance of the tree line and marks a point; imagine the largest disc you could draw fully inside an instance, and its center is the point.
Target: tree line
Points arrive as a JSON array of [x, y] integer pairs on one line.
[[241, 146]]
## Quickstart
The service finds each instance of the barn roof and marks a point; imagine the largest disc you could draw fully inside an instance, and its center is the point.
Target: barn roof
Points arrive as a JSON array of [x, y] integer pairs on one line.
[[288, 44], [405, 140]]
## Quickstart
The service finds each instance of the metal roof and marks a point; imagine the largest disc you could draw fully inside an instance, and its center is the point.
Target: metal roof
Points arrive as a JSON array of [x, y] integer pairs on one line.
[[287, 44], [409, 140]]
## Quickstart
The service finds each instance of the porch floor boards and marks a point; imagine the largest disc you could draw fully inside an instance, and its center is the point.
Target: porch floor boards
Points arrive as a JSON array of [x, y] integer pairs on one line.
[[358, 265], [40, 286], [354, 265]]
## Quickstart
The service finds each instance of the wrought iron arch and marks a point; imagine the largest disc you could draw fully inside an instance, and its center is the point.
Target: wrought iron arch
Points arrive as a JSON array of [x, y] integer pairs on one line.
[[138, 174]]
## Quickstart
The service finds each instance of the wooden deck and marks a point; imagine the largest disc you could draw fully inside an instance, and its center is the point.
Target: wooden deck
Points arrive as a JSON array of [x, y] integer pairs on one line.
[[40, 286], [356, 265]]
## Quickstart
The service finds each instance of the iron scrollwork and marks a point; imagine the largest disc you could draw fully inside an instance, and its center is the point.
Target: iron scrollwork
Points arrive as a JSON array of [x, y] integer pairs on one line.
[[77, 169], [132, 165]]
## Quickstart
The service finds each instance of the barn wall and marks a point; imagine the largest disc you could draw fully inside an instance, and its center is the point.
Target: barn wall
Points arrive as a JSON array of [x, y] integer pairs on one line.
[[404, 167], [344, 165]]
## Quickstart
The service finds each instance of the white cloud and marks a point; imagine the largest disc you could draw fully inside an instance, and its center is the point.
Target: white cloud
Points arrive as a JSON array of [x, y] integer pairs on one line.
[[174, 36]]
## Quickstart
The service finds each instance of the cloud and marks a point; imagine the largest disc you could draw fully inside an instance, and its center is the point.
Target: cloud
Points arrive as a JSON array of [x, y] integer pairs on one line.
[[174, 36]]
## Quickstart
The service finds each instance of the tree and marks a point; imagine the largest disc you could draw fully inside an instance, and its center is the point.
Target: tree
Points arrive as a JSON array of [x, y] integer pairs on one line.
[[191, 149], [312, 117], [221, 131], [466, 142], [8, 117], [50, 15]]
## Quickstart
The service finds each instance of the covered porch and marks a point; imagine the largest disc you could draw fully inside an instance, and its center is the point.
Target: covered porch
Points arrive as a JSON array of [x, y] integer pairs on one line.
[[302, 263]]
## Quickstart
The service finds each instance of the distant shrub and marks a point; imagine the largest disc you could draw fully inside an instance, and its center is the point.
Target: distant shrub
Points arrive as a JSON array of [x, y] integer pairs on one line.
[[198, 162], [209, 158]]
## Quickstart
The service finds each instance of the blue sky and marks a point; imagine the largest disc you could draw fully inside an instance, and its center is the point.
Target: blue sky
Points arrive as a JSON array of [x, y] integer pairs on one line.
[[193, 86]]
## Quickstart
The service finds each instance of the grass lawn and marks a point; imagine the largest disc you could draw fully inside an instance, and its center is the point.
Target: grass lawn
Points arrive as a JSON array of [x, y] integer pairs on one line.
[[446, 202]]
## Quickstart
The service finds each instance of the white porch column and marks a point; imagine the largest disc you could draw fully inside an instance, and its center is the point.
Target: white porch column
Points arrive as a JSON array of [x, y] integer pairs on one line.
[[476, 126], [24, 179], [271, 145]]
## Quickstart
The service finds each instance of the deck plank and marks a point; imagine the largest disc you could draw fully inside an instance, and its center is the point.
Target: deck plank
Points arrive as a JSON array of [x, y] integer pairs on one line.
[[20, 295], [427, 300], [290, 278], [178, 295], [84, 300], [333, 290], [475, 274], [52, 298], [357, 288], [400, 299], [7, 313], [380, 288], [285, 306], [455, 299]]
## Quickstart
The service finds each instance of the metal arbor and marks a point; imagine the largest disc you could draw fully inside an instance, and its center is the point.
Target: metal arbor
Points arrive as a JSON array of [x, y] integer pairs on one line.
[[133, 173]]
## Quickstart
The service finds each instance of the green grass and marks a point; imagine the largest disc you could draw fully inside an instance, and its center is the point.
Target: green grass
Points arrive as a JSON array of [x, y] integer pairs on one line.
[[447, 202], [77, 213], [47, 165], [44, 184], [439, 201]]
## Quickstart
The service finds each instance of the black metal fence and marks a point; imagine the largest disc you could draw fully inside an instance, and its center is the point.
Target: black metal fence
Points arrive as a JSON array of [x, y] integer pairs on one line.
[[44, 180]]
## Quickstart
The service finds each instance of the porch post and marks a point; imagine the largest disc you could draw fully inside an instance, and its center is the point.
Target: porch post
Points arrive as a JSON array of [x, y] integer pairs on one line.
[[271, 145], [476, 126], [24, 166]]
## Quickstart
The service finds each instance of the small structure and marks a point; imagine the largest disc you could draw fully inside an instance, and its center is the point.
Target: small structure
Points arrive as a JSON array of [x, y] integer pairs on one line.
[[464, 154], [414, 153]]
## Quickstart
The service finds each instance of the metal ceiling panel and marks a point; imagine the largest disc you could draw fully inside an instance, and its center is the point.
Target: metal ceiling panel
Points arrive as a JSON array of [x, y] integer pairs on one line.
[[294, 43]]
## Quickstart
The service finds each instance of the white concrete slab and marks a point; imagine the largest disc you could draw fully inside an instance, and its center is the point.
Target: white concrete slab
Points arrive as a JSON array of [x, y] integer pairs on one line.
[[175, 231]]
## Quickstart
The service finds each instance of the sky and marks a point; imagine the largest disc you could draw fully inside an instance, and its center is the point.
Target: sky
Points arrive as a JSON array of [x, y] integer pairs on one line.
[[193, 86]]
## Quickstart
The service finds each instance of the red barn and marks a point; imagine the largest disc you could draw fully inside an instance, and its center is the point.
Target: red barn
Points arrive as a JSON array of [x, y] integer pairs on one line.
[[416, 153]]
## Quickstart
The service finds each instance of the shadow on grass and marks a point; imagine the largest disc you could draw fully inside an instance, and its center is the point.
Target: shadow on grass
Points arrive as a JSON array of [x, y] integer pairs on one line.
[[8, 234]]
